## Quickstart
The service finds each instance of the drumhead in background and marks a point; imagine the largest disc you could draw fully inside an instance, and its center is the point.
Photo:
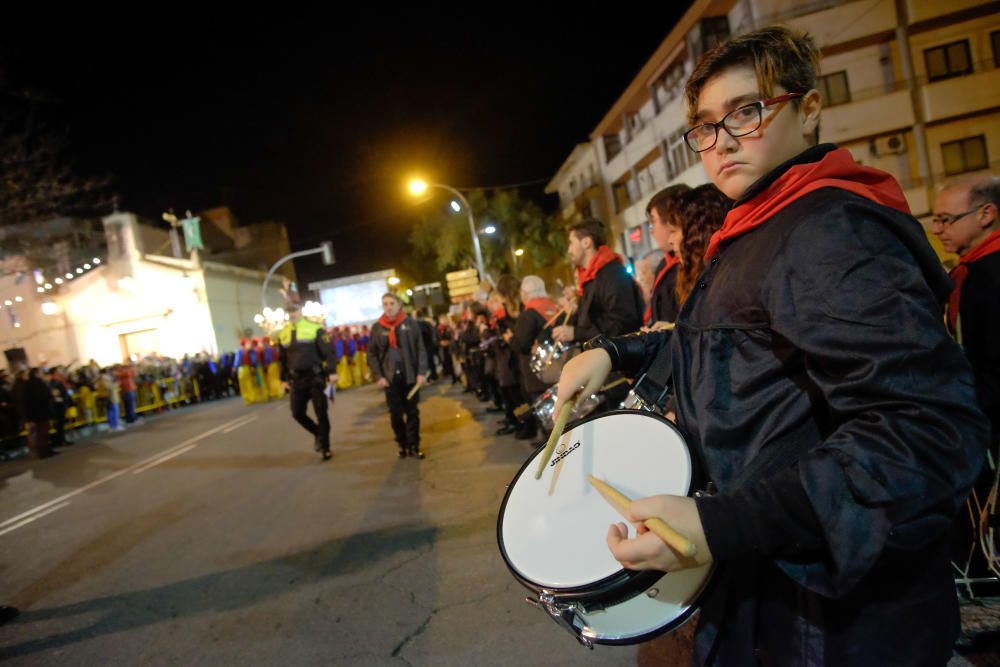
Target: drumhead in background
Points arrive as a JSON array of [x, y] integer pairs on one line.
[[553, 530]]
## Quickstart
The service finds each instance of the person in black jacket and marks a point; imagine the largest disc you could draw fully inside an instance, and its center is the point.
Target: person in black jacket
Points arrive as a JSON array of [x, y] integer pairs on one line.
[[610, 301], [398, 362], [34, 403], [661, 211], [967, 221], [815, 377], [530, 330]]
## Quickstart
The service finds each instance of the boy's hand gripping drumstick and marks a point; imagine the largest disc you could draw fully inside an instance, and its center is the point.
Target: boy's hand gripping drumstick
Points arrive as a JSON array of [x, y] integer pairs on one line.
[[656, 525]]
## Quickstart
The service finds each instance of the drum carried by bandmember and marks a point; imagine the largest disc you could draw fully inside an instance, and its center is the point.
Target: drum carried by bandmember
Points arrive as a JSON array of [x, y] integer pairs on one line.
[[550, 531]]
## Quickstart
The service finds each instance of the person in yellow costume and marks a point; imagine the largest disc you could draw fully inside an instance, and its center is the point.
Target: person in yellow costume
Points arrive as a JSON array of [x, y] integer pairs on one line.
[[246, 374], [273, 373], [343, 361], [308, 364]]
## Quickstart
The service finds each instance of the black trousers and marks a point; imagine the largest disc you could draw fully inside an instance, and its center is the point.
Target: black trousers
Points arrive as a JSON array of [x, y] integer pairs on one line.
[[305, 388], [404, 414]]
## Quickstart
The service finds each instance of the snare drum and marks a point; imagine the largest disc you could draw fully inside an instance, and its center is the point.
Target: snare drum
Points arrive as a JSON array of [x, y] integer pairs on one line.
[[552, 532], [545, 405], [548, 359]]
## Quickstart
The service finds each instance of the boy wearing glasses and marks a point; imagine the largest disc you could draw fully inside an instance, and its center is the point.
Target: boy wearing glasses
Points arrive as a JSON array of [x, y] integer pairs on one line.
[[814, 376]]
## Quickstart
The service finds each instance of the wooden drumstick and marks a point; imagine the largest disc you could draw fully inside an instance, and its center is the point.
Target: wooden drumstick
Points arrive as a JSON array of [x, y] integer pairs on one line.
[[612, 385], [413, 392], [554, 318], [557, 431], [656, 525]]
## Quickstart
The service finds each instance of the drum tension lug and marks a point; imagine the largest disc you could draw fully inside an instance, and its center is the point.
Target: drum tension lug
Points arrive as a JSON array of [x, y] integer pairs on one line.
[[562, 613]]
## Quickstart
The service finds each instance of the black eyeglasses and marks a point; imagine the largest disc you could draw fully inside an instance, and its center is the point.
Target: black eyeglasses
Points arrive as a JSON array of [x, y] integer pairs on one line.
[[947, 219], [738, 123]]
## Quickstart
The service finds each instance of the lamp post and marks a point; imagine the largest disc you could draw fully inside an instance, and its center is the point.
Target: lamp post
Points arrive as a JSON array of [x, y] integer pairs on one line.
[[419, 187]]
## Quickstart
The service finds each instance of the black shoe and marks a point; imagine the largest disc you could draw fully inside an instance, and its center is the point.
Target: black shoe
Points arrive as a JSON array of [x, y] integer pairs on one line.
[[327, 455], [416, 453], [505, 429], [317, 445], [401, 453], [8, 614]]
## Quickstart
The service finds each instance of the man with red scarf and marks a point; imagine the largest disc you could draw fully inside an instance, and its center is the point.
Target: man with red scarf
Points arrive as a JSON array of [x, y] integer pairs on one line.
[[398, 362], [966, 220], [610, 301], [814, 375], [660, 211]]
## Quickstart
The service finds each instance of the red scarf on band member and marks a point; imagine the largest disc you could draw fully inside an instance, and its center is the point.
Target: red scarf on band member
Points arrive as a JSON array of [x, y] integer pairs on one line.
[[601, 258], [672, 261], [836, 169], [391, 326], [544, 306], [961, 272]]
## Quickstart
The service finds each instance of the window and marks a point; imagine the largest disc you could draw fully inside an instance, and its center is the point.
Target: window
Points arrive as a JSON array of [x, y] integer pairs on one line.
[[834, 89], [620, 193], [995, 39], [612, 146], [964, 155], [714, 31], [948, 60]]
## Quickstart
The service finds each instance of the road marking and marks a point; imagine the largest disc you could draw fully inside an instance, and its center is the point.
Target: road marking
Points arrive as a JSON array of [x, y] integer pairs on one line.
[[236, 426], [164, 458], [119, 473], [38, 515]]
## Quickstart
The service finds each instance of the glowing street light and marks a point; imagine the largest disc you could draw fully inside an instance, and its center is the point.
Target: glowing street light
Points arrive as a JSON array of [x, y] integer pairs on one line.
[[418, 187], [519, 252], [409, 292], [455, 206], [489, 229], [393, 281]]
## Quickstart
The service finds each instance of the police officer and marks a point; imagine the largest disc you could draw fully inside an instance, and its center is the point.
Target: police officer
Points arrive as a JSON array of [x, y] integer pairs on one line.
[[307, 361]]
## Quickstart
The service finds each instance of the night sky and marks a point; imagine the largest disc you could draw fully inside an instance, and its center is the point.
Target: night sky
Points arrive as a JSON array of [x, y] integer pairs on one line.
[[316, 120]]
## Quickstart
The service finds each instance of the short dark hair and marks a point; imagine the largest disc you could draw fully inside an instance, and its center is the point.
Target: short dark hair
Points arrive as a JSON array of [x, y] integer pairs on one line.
[[986, 191], [392, 295], [591, 228], [665, 202], [778, 55]]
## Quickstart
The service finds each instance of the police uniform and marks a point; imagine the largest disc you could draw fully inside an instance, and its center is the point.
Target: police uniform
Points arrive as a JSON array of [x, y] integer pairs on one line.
[[307, 358]]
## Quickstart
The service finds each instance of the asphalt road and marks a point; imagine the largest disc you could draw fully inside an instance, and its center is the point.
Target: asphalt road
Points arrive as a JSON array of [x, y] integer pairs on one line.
[[215, 535]]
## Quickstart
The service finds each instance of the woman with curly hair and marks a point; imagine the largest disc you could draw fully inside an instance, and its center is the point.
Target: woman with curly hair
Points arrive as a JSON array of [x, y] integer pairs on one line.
[[702, 211]]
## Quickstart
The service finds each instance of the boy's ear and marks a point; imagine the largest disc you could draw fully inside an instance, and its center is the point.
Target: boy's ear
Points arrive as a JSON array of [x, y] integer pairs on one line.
[[809, 109]]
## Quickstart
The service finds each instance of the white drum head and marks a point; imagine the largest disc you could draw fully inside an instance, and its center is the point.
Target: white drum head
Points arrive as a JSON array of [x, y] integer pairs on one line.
[[553, 530]]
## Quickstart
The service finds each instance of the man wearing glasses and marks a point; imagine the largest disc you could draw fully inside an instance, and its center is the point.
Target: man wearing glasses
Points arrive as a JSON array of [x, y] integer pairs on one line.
[[968, 224], [814, 376]]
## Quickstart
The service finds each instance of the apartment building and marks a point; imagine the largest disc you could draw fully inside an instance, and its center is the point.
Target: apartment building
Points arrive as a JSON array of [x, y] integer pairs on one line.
[[909, 86]]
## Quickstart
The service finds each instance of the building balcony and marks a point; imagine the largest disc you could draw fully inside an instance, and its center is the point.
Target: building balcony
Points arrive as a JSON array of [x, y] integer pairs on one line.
[[962, 95], [845, 22], [866, 118], [924, 10]]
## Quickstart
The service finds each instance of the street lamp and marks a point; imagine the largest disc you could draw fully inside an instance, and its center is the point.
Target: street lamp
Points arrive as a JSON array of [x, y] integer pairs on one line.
[[418, 187]]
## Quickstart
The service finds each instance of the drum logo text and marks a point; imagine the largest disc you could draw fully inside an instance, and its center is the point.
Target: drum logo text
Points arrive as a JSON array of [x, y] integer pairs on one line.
[[564, 454]]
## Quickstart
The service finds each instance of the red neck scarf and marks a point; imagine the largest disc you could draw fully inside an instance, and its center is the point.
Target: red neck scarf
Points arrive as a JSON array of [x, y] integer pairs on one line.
[[961, 272], [672, 261], [544, 306], [601, 258], [836, 169], [391, 326]]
